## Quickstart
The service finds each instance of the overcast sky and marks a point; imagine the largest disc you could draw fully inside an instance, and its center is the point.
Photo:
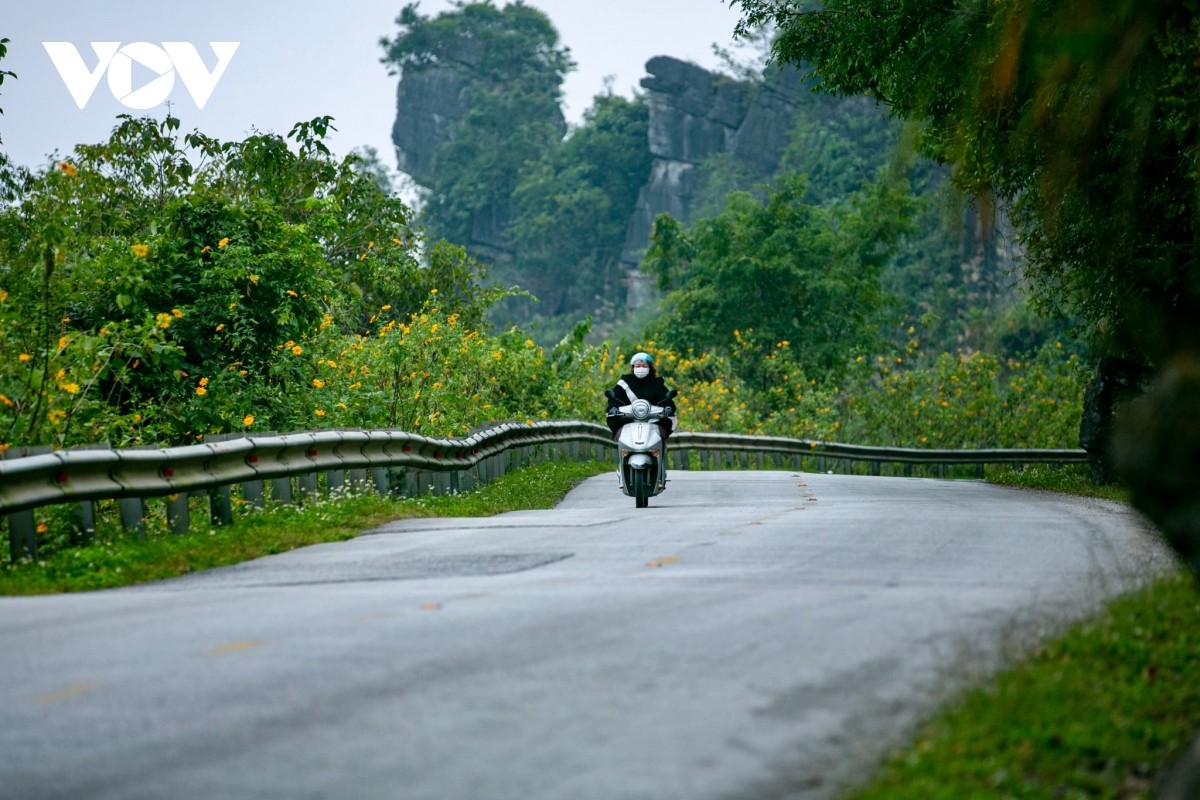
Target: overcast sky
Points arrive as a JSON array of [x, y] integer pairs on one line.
[[299, 59]]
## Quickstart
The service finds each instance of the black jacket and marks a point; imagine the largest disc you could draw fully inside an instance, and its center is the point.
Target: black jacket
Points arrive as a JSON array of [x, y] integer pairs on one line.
[[654, 390]]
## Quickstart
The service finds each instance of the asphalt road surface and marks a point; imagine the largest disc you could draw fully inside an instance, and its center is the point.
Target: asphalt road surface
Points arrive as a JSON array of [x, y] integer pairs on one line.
[[750, 635]]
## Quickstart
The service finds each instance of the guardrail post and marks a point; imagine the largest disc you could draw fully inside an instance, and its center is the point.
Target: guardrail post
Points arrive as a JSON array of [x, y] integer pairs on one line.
[[335, 481], [252, 493], [358, 478], [22, 535], [178, 518], [379, 479], [220, 506], [281, 490], [133, 515], [85, 524], [306, 486]]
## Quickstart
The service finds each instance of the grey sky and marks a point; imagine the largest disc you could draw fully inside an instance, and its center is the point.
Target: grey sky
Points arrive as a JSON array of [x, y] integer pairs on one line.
[[304, 58]]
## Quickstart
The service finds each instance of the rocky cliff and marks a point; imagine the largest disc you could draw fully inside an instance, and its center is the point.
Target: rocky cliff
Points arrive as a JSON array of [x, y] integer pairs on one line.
[[695, 115]]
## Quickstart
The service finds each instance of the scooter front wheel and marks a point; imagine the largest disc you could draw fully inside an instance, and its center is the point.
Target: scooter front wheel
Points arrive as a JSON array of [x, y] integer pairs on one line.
[[641, 488]]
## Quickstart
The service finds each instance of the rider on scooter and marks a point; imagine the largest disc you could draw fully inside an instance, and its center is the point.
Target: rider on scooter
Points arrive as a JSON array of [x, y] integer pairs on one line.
[[642, 382]]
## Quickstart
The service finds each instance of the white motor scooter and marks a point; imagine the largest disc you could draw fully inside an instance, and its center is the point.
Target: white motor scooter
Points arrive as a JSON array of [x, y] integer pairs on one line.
[[641, 452]]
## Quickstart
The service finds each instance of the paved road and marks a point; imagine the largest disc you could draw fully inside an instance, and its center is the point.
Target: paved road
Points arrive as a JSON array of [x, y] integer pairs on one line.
[[750, 635]]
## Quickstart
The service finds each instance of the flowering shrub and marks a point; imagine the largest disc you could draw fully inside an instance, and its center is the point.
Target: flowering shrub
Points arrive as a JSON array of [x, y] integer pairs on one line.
[[275, 289]]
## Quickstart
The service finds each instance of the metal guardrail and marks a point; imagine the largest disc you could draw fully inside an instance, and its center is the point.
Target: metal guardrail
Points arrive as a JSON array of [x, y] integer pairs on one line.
[[832, 452], [30, 481]]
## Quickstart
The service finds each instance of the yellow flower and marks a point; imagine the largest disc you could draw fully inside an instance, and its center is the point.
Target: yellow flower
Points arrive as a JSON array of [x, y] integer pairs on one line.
[[4, 296], [42, 527], [4, 399], [385, 308], [433, 291], [140, 250], [223, 242], [221, 327], [176, 313], [200, 390], [204, 381], [137, 417], [207, 248], [24, 358], [290, 293], [62, 342], [317, 382], [162, 320], [56, 416], [297, 350], [248, 420], [67, 169], [70, 388], [320, 412], [254, 279]]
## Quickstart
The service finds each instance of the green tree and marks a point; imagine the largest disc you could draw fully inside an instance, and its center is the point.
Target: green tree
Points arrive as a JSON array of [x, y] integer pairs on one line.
[[152, 275], [780, 272], [573, 206], [512, 68], [4, 73], [1081, 117]]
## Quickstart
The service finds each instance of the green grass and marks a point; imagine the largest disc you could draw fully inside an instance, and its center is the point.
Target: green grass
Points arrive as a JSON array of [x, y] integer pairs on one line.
[[1069, 480], [1098, 712], [121, 559]]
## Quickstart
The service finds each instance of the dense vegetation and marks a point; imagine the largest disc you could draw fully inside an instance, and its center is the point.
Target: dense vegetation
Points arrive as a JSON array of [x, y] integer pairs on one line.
[[1081, 118], [547, 212], [159, 287]]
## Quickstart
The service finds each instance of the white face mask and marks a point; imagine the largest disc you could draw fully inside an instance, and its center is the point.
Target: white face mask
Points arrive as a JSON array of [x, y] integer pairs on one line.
[[641, 371]]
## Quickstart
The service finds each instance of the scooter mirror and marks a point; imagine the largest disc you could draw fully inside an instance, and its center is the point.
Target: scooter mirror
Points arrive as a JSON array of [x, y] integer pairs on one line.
[[609, 394]]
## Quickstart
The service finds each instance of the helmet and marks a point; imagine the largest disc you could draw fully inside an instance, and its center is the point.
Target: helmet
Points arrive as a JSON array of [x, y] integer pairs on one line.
[[641, 357]]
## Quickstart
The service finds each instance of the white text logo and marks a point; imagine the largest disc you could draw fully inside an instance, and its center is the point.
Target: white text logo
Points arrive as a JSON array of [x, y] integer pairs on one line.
[[118, 61]]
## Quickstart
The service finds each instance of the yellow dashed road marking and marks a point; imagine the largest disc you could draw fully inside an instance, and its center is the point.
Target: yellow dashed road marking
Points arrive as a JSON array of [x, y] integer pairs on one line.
[[74, 690], [235, 647]]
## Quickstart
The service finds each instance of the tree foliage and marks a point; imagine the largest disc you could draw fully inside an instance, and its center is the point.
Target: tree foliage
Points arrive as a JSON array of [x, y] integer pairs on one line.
[[780, 272], [139, 266], [573, 206], [1082, 117], [511, 68]]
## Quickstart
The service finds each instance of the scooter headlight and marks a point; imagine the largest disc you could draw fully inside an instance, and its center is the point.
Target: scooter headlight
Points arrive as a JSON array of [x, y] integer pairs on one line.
[[641, 409]]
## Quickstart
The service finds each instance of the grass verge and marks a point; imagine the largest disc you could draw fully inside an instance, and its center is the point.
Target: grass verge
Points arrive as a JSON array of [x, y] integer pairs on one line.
[[1097, 712], [121, 559]]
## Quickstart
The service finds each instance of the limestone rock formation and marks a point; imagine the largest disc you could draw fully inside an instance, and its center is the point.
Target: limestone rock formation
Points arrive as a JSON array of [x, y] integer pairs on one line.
[[428, 103], [696, 114]]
